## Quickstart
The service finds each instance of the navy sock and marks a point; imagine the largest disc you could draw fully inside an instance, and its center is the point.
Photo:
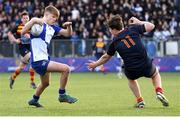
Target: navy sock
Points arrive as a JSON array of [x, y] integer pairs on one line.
[[62, 91], [36, 98]]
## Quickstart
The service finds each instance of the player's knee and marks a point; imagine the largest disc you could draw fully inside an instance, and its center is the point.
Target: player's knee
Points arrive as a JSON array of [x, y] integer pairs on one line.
[[155, 74], [67, 69], [132, 81], [21, 68]]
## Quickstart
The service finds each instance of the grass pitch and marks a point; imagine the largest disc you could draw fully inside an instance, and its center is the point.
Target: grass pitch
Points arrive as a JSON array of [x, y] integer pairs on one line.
[[98, 94]]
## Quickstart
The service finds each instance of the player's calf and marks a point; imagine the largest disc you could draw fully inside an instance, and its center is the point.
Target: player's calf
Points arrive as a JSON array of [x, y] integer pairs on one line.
[[11, 82]]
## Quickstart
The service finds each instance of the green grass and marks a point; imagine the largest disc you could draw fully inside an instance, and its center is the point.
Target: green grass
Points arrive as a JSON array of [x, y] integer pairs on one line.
[[98, 95]]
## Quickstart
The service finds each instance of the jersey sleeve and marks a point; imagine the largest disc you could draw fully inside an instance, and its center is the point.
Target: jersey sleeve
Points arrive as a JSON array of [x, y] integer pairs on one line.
[[111, 50], [138, 28], [56, 28]]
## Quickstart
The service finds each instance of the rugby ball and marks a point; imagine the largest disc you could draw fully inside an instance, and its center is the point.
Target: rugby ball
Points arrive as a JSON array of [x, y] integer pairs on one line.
[[36, 29]]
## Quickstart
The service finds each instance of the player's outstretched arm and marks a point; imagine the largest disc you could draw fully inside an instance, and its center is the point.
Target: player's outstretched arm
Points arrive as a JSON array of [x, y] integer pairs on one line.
[[102, 60], [12, 39], [148, 25], [68, 31], [29, 24]]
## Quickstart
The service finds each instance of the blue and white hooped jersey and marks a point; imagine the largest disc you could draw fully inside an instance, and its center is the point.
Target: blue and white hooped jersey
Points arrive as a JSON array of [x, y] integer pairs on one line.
[[40, 44]]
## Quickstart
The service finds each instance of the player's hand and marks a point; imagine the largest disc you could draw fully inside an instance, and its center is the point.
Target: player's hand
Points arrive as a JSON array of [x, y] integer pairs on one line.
[[91, 65], [67, 24], [134, 20], [37, 20], [18, 41], [27, 35]]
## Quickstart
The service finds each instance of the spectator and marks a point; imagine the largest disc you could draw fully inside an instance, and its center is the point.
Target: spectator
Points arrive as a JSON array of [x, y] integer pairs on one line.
[[75, 13], [99, 48], [5, 31], [173, 25], [177, 33], [157, 35], [75, 43], [92, 14]]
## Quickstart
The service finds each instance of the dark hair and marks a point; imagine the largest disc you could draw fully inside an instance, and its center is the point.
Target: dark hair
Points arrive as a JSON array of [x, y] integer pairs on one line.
[[24, 13], [115, 22]]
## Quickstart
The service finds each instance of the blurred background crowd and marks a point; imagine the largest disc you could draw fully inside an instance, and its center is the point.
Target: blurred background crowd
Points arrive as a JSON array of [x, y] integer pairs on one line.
[[89, 16]]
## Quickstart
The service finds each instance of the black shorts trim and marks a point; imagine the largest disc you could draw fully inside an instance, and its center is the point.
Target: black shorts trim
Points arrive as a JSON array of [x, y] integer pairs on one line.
[[24, 49]]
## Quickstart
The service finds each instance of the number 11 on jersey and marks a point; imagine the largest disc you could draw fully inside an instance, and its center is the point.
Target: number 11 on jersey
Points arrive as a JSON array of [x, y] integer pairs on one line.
[[130, 41]]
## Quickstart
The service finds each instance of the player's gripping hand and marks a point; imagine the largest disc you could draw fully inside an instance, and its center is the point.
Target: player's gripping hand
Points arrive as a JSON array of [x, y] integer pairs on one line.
[[17, 41], [27, 35], [91, 65], [134, 20], [36, 20], [67, 24]]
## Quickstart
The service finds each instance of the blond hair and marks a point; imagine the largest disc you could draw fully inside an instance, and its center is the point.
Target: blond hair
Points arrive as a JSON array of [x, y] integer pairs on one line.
[[53, 10]]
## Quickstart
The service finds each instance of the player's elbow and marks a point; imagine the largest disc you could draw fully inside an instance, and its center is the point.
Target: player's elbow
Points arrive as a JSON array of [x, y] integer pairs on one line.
[[69, 34], [149, 27], [66, 34], [152, 26]]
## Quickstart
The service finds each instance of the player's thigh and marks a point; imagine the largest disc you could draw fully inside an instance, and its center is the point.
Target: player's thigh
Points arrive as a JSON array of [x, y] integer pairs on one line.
[[150, 71], [57, 67], [132, 74], [25, 58], [24, 49], [23, 62]]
